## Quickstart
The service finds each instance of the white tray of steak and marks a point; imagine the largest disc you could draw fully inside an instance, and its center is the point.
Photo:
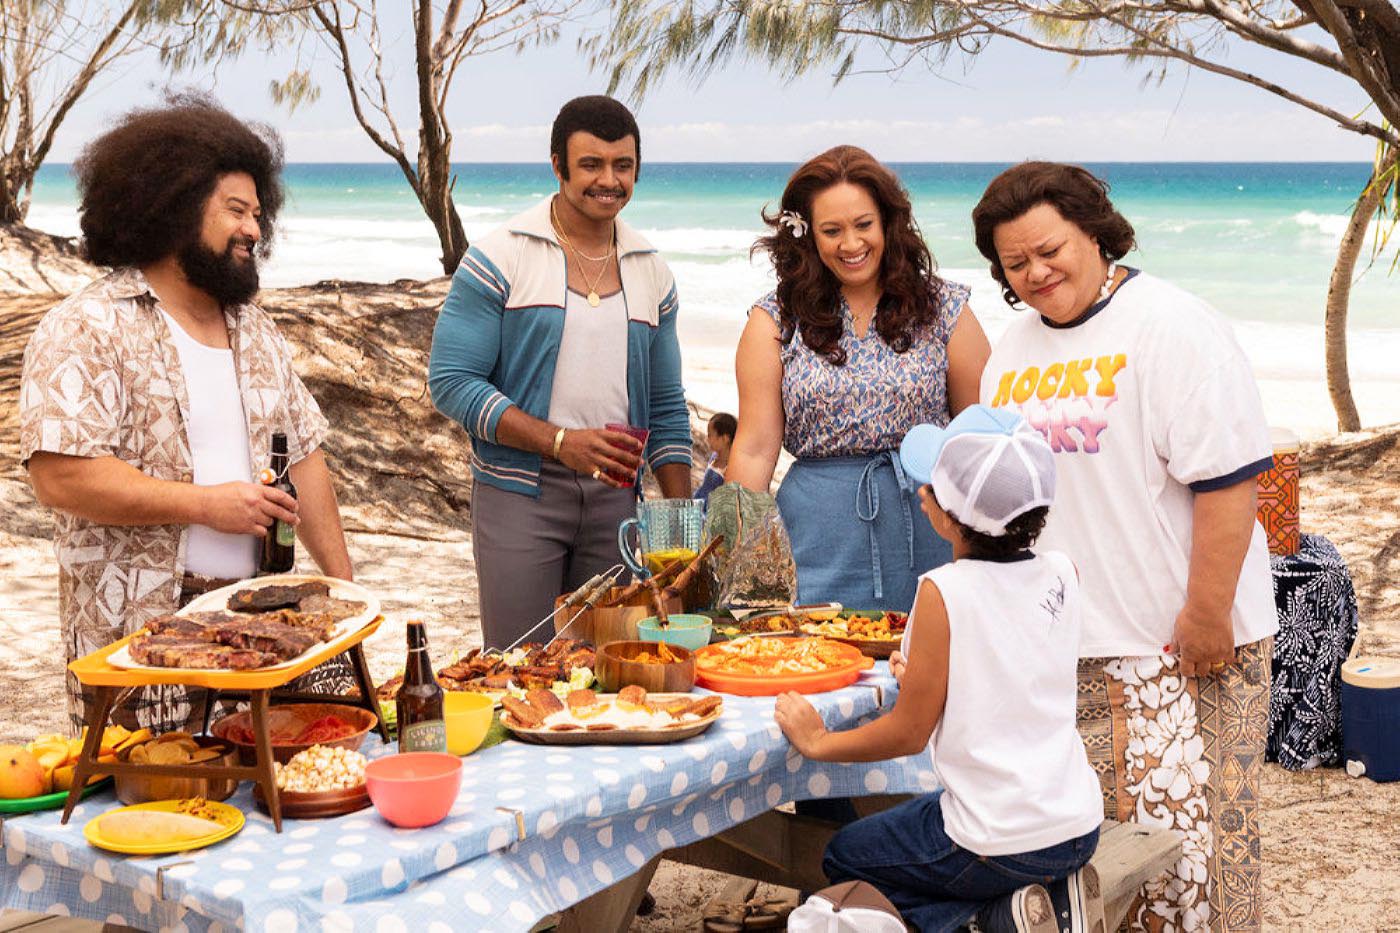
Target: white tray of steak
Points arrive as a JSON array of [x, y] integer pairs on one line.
[[259, 624]]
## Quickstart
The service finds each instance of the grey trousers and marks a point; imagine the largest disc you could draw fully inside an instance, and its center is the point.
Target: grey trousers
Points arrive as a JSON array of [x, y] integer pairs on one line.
[[529, 551]]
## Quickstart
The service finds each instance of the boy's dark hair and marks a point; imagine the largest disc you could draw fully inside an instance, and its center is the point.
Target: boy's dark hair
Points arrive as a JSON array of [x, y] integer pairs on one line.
[[725, 424], [143, 184], [598, 114], [1021, 532]]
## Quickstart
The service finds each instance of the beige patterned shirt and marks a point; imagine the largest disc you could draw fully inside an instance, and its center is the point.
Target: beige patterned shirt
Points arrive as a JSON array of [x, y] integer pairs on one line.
[[103, 378]]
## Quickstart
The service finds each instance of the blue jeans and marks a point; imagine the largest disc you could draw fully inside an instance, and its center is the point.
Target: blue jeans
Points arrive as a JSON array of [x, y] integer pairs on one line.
[[936, 883]]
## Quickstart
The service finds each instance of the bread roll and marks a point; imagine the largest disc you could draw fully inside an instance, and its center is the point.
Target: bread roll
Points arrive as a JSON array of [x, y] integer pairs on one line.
[[632, 698], [523, 714], [544, 701]]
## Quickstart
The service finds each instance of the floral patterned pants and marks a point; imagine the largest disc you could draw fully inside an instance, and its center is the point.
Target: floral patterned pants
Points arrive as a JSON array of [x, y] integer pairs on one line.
[[1185, 753]]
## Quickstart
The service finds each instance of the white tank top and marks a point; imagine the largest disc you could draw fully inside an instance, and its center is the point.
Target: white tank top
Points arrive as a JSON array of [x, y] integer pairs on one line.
[[218, 435], [1007, 751], [590, 374]]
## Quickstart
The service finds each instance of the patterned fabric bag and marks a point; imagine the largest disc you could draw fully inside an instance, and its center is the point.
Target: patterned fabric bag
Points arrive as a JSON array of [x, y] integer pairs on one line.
[[1317, 626]]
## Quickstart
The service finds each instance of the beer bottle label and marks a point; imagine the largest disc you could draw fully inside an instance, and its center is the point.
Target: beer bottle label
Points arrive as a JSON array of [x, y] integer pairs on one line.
[[430, 735], [286, 533]]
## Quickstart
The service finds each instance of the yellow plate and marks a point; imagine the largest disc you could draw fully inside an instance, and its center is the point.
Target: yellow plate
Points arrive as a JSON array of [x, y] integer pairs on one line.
[[229, 818]]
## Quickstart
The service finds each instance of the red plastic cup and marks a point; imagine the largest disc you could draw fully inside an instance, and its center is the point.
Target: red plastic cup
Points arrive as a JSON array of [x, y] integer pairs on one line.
[[641, 434]]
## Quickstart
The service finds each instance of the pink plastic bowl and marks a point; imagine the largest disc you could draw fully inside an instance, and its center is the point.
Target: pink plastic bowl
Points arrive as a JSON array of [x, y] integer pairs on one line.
[[415, 788]]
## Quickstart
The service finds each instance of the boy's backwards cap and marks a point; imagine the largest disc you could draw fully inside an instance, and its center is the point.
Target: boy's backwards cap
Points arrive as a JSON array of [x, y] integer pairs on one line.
[[987, 467]]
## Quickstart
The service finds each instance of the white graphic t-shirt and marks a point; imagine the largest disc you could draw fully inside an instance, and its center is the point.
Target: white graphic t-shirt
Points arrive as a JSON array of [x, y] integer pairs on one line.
[[1145, 401]]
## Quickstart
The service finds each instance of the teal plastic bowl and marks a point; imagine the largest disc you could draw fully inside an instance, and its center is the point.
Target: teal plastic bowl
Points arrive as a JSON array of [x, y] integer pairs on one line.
[[688, 631]]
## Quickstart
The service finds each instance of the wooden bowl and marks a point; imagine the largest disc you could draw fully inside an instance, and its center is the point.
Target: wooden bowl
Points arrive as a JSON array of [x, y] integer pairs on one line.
[[143, 788], [290, 720], [615, 668], [615, 623], [317, 805]]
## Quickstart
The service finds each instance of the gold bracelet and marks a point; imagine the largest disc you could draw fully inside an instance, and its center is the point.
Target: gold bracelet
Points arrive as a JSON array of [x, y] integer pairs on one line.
[[558, 441]]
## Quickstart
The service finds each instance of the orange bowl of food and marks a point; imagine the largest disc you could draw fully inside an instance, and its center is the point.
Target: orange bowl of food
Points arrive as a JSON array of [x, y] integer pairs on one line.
[[768, 666], [414, 789], [296, 727]]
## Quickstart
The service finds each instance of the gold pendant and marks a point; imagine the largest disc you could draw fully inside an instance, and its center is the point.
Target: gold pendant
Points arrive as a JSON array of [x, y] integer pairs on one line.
[[594, 300]]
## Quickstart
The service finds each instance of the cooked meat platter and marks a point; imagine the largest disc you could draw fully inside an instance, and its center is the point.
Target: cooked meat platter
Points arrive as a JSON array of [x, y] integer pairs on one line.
[[257, 624]]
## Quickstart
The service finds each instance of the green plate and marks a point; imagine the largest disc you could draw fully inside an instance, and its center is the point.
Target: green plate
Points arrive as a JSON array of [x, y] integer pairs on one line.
[[48, 801]]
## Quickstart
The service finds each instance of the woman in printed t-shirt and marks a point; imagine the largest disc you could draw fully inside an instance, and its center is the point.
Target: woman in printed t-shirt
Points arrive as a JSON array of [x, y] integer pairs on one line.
[[1158, 430], [859, 342]]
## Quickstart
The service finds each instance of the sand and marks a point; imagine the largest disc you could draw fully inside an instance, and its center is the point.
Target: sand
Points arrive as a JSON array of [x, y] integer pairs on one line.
[[1331, 862]]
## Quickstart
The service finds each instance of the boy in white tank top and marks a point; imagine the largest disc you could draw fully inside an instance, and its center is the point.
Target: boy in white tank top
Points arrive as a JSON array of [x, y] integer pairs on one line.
[[987, 676]]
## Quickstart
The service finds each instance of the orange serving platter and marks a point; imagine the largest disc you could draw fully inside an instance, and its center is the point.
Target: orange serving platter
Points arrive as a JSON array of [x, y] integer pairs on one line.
[[762, 685], [94, 670]]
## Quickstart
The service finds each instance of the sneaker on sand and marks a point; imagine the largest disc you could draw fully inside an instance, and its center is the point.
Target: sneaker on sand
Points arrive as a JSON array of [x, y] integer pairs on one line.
[[1078, 902], [1025, 910]]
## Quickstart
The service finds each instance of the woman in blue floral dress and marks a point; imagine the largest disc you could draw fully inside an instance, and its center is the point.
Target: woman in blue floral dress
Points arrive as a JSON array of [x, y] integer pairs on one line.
[[859, 342]]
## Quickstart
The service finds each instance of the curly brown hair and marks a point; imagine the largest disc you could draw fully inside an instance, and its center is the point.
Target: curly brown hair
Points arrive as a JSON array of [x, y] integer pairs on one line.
[[1080, 196], [809, 295], [143, 184]]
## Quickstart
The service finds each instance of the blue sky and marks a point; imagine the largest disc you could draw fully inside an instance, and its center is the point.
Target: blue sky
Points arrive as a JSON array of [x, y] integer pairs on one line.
[[1010, 103]]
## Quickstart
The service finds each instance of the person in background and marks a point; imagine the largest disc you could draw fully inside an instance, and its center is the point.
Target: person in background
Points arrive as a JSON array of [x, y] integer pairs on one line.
[[557, 324], [719, 434], [987, 669], [1158, 431], [149, 399], [860, 341]]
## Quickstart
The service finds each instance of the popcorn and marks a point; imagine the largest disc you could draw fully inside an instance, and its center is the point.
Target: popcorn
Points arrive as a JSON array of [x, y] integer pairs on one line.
[[319, 769]]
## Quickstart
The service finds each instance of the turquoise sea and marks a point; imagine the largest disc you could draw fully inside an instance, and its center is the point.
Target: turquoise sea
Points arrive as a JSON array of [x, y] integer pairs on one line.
[[1256, 239]]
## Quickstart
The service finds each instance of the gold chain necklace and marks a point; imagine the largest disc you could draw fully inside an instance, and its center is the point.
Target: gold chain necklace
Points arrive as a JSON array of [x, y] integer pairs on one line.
[[593, 299]]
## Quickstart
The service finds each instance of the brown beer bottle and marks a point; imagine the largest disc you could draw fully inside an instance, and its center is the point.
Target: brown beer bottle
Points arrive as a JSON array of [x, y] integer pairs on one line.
[[419, 706], [279, 547]]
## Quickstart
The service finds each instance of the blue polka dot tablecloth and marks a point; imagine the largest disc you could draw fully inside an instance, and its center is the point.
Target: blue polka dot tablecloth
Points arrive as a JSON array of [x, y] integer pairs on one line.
[[592, 815]]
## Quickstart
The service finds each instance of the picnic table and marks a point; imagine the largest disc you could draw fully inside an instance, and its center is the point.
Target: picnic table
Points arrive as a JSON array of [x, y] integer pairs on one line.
[[535, 830]]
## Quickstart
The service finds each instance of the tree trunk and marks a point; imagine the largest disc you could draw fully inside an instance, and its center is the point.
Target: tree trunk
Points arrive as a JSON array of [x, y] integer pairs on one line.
[[435, 181], [14, 198], [1338, 298]]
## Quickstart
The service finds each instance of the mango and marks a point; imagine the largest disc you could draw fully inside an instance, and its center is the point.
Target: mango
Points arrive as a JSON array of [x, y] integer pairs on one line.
[[21, 775]]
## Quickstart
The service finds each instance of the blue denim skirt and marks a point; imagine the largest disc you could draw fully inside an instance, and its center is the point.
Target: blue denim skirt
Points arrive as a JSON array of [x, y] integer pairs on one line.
[[858, 534]]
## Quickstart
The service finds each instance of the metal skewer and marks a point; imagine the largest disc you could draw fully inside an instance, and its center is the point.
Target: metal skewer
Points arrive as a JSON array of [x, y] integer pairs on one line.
[[594, 588], [589, 602]]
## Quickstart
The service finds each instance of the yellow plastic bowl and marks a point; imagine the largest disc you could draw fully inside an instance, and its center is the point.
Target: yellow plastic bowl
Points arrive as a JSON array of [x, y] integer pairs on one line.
[[468, 717]]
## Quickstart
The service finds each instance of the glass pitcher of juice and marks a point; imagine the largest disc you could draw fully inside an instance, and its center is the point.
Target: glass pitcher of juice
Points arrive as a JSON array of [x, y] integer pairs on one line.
[[664, 530]]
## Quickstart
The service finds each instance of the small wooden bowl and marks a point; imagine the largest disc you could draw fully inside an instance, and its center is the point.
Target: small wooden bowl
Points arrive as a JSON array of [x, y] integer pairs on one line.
[[615, 668], [318, 805], [143, 788], [615, 623], [291, 718]]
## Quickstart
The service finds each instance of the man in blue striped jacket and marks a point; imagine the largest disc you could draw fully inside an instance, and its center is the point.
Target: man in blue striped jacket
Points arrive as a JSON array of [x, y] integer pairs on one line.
[[559, 323]]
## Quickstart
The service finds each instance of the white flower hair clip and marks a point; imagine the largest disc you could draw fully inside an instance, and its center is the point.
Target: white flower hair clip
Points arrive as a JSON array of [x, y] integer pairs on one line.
[[794, 222]]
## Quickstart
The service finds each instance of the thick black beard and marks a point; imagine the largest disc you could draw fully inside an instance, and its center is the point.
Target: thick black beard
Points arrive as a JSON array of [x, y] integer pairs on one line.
[[228, 280]]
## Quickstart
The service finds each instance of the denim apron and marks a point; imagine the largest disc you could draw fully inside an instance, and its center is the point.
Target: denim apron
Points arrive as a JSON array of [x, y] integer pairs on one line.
[[858, 534]]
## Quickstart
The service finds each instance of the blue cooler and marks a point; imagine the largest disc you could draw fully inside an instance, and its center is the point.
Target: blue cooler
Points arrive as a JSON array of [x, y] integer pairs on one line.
[[1371, 718]]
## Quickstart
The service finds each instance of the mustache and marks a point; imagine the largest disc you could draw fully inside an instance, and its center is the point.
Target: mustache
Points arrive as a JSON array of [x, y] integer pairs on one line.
[[596, 192]]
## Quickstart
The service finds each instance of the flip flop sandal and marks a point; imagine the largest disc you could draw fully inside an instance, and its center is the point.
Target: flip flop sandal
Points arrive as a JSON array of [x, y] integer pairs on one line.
[[737, 909]]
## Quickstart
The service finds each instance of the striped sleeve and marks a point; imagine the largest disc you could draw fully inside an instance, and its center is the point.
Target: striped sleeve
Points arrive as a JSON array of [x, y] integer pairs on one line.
[[467, 345]]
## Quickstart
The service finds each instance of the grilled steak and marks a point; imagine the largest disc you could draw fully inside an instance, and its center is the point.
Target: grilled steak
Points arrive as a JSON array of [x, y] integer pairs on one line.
[[190, 627], [228, 640], [283, 641], [266, 598], [184, 651], [331, 608]]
